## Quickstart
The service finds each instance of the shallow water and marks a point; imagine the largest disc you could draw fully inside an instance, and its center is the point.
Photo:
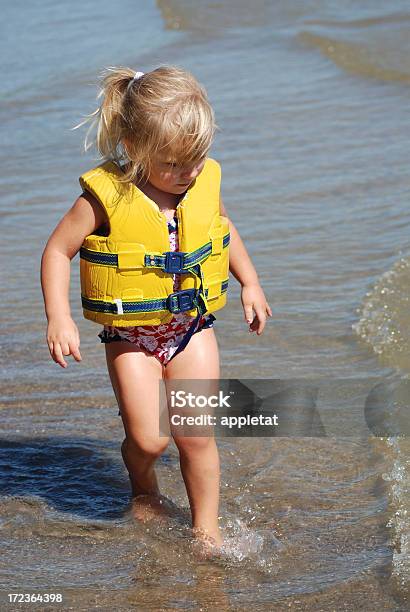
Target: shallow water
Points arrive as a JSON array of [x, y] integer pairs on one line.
[[312, 103]]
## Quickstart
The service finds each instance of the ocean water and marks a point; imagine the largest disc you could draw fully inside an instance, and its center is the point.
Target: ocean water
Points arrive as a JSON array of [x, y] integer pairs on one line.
[[311, 99]]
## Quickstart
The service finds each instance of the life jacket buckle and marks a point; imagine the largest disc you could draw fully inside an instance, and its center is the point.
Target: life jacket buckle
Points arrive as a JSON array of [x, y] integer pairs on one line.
[[174, 262], [180, 301]]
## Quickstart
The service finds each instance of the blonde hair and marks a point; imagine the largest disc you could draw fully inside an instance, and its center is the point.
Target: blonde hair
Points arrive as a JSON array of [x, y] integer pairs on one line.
[[165, 111]]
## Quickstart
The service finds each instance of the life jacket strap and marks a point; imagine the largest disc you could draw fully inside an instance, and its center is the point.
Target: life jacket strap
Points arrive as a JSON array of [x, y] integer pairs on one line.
[[180, 301], [173, 262], [179, 262]]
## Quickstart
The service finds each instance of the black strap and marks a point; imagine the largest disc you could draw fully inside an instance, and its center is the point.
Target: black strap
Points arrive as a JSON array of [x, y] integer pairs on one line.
[[191, 331], [187, 336]]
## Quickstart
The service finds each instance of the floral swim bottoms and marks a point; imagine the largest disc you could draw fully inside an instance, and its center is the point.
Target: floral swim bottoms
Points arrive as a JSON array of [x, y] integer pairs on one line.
[[161, 341]]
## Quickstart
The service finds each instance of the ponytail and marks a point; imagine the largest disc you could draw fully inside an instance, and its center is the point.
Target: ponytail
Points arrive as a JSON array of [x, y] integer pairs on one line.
[[164, 110], [108, 118]]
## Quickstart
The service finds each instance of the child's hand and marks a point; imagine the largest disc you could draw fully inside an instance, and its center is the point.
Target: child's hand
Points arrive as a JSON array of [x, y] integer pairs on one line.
[[63, 339], [253, 298]]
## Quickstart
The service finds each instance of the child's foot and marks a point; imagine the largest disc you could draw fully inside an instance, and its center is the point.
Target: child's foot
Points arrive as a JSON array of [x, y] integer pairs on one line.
[[148, 506], [210, 543]]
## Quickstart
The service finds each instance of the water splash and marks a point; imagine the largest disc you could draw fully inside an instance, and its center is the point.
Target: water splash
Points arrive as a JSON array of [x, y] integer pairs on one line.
[[399, 478], [384, 320], [384, 324]]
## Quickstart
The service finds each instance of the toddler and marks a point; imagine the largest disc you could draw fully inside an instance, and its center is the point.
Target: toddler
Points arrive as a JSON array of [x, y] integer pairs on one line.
[[156, 247]]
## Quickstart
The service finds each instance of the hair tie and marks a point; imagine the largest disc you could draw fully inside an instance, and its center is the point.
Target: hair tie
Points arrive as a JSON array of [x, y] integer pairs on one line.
[[136, 76]]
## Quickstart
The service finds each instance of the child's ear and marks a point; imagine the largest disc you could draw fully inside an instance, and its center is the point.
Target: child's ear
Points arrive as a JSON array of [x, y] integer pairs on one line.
[[127, 146]]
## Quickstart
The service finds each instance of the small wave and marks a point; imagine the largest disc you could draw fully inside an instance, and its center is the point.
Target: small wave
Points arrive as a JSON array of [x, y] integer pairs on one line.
[[31, 514], [378, 58], [384, 324], [360, 23], [213, 17], [384, 316], [399, 478]]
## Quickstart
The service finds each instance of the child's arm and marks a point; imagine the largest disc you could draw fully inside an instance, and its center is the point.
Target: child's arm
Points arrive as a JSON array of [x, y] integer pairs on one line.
[[83, 218], [252, 295]]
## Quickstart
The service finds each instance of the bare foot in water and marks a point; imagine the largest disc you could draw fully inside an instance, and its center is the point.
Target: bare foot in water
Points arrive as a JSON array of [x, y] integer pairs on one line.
[[208, 545], [146, 507]]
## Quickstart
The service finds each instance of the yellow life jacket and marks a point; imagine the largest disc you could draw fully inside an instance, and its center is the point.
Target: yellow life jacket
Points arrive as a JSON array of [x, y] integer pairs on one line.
[[127, 276]]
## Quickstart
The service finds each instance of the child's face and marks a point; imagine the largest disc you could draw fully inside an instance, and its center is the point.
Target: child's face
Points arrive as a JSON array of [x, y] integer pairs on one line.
[[167, 176]]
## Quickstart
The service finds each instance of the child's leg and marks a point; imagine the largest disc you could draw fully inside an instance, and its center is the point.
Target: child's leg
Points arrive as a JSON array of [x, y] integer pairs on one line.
[[199, 457], [134, 376]]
